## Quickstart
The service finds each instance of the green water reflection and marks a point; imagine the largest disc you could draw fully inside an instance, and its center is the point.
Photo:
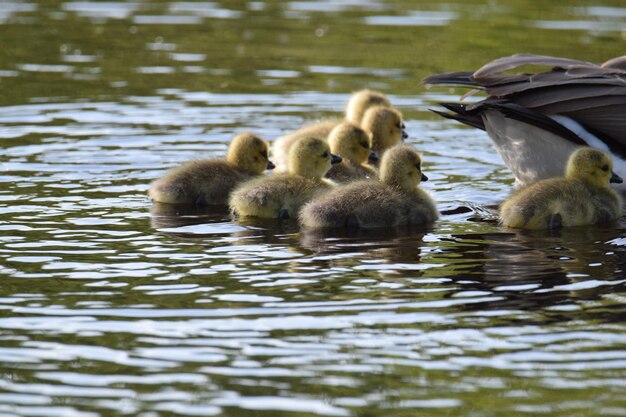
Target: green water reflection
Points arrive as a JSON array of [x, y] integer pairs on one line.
[[79, 50]]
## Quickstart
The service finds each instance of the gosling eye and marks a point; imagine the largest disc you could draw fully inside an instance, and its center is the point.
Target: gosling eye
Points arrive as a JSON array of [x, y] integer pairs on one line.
[[605, 168], [325, 155], [365, 145], [418, 166], [400, 125], [264, 154]]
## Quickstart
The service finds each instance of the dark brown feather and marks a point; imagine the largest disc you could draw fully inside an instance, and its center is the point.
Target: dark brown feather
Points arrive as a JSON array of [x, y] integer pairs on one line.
[[518, 60], [593, 95], [462, 78], [619, 63], [565, 93], [568, 106], [609, 120]]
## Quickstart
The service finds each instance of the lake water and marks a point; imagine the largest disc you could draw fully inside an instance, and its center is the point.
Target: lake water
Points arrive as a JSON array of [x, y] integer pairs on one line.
[[110, 306]]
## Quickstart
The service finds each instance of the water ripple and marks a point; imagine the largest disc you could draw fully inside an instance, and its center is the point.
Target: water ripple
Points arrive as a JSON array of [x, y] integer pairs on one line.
[[111, 305]]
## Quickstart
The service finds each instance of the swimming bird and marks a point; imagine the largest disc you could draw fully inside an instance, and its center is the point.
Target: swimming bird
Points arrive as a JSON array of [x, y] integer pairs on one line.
[[394, 200], [282, 145], [537, 120], [210, 181], [282, 195], [361, 101], [581, 197], [353, 145], [386, 127], [356, 107]]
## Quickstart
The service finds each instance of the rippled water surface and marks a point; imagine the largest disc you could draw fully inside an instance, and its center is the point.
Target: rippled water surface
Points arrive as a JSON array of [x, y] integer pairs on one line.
[[112, 306]]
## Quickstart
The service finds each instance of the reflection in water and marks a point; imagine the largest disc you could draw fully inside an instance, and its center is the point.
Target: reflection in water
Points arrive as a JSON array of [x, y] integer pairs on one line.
[[535, 269], [393, 245], [177, 216]]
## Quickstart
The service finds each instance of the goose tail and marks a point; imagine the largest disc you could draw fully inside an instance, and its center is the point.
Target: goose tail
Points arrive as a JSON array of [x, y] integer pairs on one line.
[[459, 113]]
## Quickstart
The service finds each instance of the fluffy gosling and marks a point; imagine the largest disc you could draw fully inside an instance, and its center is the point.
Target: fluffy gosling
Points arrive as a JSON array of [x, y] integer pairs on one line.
[[581, 197], [361, 101], [353, 145], [282, 145], [386, 126], [282, 195], [394, 200], [356, 107], [209, 182]]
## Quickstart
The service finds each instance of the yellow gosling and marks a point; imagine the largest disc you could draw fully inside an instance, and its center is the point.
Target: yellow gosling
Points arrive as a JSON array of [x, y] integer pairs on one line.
[[582, 197], [361, 101], [356, 107], [386, 126], [209, 182], [353, 145], [394, 200], [282, 145], [282, 195]]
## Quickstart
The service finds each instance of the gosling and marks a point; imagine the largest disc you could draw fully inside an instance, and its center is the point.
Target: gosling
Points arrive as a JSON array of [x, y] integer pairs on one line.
[[353, 145], [282, 195], [282, 145], [582, 197], [356, 107], [361, 101], [386, 126], [394, 200], [210, 182]]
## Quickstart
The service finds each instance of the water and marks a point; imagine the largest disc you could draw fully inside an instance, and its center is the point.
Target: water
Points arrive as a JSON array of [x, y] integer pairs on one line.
[[112, 306]]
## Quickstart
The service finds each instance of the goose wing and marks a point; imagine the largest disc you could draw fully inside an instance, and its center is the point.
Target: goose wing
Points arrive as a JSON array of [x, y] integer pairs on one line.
[[491, 73], [451, 78], [593, 95]]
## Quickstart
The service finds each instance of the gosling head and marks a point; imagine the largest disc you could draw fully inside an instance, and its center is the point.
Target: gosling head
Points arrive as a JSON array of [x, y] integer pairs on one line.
[[311, 157], [350, 142], [361, 101], [250, 153], [386, 126], [592, 166], [401, 166]]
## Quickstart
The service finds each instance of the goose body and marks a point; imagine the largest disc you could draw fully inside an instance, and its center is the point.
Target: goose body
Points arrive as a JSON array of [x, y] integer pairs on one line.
[[208, 181], [581, 197], [282, 195], [536, 121], [394, 200]]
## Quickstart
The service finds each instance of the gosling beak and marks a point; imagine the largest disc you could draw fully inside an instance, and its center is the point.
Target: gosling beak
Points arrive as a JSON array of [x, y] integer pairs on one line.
[[373, 158], [616, 179], [424, 177], [404, 135], [270, 165], [334, 159]]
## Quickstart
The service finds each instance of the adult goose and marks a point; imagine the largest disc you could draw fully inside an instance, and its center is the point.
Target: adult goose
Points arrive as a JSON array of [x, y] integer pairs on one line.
[[537, 120]]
